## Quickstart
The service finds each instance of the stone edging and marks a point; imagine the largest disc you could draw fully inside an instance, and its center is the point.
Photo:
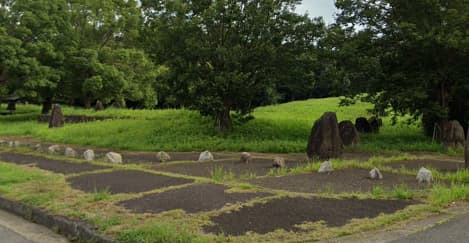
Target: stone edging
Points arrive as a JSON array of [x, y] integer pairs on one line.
[[74, 230]]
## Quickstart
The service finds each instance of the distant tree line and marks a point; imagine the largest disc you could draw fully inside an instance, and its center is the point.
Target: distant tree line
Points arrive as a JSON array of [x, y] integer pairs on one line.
[[224, 57]]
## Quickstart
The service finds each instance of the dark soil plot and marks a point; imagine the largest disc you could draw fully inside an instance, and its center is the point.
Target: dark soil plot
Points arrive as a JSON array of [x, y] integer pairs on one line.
[[339, 181], [49, 164], [142, 157], [285, 213], [192, 199], [206, 169], [440, 165], [124, 181]]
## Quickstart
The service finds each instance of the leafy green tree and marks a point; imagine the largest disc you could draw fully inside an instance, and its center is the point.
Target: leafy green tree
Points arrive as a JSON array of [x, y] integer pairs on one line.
[[113, 75], [41, 31], [410, 56], [75, 51], [222, 55]]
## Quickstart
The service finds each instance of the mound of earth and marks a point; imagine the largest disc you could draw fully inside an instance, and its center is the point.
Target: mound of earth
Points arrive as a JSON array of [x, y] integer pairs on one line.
[[191, 199], [124, 181], [287, 213], [339, 181]]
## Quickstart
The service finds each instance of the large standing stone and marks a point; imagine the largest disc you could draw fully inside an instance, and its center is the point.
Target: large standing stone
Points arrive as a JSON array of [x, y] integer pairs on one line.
[[363, 125], [324, 141], [279, 162], [375, 174], [424, 176], [349, 133], [114, 158], [375, 124], [88, 155], [206, 156], [326, 167], [69, 152], [245, 158], [162, 156], [56, 117], [453, 134], [99, 106]]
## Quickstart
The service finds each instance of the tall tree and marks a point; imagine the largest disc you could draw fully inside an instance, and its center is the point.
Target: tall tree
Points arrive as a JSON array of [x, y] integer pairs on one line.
[[105, 62], [224, 55], [410, 56], [42, 30]]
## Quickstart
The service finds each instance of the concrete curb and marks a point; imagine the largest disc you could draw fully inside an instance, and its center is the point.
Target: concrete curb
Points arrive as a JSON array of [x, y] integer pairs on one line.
[[74, 230]]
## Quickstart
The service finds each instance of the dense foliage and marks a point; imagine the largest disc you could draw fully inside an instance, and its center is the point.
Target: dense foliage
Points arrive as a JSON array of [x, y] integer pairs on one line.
[[410, 56], [224, 58], [228, 56], [213, 56]]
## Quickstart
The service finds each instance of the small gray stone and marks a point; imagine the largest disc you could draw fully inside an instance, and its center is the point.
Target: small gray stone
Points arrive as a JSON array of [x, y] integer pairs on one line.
[[245, 157], [14, 144], [3, 142], [38, 147], [69, 152], [326, 167], [206, 156], [88, 155], [162, 156], [424, 175], [375, 174], [279, 162], [114, 158], [54, 149]]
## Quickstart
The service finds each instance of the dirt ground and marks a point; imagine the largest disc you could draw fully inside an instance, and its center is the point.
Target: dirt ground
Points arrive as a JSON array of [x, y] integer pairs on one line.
[[124, 181], [281, 213], [258, 166], [440, 165], [49, 164], [339, 181], [192, 199], [287, 212]]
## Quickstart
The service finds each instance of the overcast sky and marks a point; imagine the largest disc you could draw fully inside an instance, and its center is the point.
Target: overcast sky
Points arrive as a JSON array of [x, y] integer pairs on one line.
[[324, 8]]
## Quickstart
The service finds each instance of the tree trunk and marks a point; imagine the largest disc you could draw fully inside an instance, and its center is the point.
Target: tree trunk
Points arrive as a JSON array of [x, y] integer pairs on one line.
[[223, 120], [46, 106], [466, 150], [87, 103]]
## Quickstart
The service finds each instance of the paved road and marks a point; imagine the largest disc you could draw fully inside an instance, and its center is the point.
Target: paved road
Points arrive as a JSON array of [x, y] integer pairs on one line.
[[9, 236], [17, 230], [454, 231]]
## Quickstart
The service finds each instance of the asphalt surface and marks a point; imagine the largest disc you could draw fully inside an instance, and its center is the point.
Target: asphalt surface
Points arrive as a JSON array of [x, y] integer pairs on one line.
[[454, 231], [14, 229], [9, 236]]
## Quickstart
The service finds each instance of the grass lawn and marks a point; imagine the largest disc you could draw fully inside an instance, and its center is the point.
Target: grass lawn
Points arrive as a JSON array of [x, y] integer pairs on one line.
[[279, 128]]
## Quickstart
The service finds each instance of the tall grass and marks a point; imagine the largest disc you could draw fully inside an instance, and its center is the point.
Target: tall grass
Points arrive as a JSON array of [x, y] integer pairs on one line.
[[277, 128]]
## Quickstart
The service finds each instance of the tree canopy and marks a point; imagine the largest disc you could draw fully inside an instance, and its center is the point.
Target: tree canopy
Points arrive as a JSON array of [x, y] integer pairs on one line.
[[228, 56], [224, 58], [410, 56]]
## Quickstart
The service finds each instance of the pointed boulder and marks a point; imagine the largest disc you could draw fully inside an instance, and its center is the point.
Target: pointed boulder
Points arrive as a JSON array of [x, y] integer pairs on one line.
[[325, 141]]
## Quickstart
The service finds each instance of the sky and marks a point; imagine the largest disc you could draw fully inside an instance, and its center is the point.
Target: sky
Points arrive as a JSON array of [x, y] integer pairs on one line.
[[315, 8]]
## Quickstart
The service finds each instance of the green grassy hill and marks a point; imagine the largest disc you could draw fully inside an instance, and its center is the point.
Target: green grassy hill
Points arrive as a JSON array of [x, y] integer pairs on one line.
[[277, 128]]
